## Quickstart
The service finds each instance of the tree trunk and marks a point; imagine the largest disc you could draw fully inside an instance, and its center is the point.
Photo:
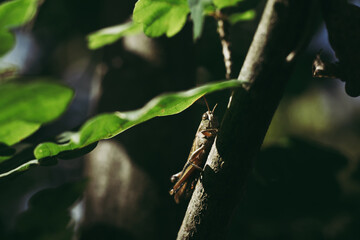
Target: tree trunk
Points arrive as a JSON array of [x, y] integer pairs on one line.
[[281, 35]]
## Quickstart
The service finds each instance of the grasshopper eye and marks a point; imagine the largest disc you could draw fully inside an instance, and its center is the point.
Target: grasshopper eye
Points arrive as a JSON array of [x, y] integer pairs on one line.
[[204, 116]]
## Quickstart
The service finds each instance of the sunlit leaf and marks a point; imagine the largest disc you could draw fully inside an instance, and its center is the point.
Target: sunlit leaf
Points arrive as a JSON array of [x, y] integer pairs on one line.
[[244, 16], [14, 14], [160, 17], [226, 3], [104, 126], [14, 130], [108, 125], [197, 14], [24, 107], [23, 159], [209, 9], [17, 12], [110, 35]]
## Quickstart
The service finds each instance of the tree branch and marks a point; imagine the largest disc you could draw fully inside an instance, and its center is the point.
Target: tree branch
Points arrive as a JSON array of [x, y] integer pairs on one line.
[[268, 66]]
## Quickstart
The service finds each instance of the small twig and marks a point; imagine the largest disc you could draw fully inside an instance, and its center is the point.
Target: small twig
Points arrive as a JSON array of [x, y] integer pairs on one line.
[[222, 29]]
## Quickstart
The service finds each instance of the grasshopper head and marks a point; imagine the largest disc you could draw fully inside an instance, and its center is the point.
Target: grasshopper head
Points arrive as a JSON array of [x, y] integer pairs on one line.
[[209, 120]]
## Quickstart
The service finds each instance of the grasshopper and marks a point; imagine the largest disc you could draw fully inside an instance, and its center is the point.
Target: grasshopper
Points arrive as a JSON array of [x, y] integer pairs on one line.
[[186, 179]]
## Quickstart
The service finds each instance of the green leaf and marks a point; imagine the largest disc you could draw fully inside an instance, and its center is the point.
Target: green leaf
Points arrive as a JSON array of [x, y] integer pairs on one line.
[[209, 10], [160, 17], [244, 16], [197, 14], [226, 3], [108, 125], [112, 34], [17, 12], [22, 160], [14, 14], [7, 40], [24, 107], [14, 130]]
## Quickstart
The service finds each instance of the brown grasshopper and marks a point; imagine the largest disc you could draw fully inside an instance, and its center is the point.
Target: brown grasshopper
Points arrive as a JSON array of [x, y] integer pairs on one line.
[[186, 179]]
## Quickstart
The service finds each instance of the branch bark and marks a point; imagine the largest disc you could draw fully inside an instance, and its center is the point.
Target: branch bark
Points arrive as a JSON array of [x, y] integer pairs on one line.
[[282, 31]]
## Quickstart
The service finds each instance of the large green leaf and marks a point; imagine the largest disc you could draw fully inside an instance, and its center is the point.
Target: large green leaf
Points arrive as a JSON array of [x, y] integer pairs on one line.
[[74, 144], [109, 125], [24, 107], [14, 14], [160, 17], [197, 14], [17, 12], [226, 3], [112, 34]]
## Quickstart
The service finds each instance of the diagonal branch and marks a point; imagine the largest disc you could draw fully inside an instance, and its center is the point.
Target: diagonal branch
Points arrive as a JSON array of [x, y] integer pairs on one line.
[[268, 66]]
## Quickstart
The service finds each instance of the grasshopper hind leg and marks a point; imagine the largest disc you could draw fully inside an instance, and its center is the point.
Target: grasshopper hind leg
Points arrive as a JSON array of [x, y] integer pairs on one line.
[[196, 166], [195, 156], [174, 178]]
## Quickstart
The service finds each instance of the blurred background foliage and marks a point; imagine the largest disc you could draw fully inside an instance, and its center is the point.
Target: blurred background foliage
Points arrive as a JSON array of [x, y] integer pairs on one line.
[[305, 183]]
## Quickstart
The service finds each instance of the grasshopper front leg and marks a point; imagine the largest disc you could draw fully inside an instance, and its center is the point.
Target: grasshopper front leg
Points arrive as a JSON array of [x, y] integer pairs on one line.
[[209, 132]]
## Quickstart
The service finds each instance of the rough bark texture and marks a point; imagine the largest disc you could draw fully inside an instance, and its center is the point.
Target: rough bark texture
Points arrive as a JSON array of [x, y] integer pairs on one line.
[[268, 65]]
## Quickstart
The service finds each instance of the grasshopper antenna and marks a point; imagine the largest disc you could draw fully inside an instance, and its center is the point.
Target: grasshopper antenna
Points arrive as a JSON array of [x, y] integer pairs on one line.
[[214, 108], [207, 105]]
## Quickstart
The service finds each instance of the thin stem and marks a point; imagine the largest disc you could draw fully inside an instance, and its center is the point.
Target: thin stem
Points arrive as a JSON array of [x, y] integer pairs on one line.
[[222, 29], [21, 168]]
